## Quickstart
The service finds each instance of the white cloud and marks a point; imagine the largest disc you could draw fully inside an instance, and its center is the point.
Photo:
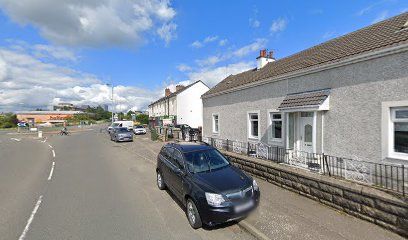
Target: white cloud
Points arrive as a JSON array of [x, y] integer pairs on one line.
[[200, 44], [209, 61], [212, 76], [56, 52], [28, 82], [223, 42], [167, 32], [210, 39], [182, 67], [234, 54], [254, 23], [255, 46], [278, 25], [381, 16], [93, 23], [196, 44]]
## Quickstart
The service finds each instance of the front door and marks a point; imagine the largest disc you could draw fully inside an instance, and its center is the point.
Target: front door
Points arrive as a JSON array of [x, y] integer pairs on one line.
[[306, 131]]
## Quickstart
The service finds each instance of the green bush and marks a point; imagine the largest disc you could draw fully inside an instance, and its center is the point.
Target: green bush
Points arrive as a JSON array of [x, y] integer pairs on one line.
[[154, 136], [8, 120]]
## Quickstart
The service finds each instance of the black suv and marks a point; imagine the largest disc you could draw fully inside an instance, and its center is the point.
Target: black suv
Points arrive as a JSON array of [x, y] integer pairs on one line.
[[212, 190]]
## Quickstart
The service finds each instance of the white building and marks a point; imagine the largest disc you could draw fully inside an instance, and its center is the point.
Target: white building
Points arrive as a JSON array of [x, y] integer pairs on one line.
[[184, 106]]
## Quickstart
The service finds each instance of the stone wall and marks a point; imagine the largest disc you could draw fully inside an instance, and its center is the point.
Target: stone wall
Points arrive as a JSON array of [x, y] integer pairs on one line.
[[365, 202]]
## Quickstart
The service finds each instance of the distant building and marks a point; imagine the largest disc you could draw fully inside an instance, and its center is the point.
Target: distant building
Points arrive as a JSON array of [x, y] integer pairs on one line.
[[184, 106], [64, 107], [33, 117]]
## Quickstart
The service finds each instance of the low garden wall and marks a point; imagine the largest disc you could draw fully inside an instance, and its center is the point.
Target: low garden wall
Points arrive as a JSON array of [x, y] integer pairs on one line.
[[377, 206]]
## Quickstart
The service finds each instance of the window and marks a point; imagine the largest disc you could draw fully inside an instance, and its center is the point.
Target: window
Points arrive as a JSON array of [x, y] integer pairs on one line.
[[202, 161], [215, 123], [399, 132], [276, 126], [178, 159], [253, 123]]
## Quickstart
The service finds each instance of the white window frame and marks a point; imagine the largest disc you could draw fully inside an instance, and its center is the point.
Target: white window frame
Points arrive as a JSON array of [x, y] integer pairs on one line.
[[270, 125], [387, 132], [249, 124], [391, 137], [213, 123]]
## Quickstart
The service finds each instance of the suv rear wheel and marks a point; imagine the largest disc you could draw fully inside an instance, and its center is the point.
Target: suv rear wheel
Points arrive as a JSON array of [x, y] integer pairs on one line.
[[192, 214], [160, 181]]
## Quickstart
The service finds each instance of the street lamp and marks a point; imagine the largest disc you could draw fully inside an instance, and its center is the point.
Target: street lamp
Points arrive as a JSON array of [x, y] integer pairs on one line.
[[111, 85]]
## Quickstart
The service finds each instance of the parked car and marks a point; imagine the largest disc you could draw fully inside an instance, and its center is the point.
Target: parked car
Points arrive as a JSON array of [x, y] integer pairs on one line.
[[212, 190], [22, 124], [139, 130], [116, 124], [121, 134]]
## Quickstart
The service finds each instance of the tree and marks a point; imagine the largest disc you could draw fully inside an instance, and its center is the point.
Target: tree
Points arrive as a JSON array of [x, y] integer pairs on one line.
[[142, 118], [8, 120]]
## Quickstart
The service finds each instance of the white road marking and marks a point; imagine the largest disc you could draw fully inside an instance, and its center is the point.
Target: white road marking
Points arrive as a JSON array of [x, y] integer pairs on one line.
[[53, 153], [16, 139], [52, 171], [30, 220], [49, 145], [45, 139]]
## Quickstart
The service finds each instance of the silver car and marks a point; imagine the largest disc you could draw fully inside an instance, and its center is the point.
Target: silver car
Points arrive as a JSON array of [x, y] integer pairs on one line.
[[121, 134]]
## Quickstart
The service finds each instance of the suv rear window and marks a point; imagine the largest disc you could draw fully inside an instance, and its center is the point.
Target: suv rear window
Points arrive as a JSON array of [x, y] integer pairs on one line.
[[202, 161]]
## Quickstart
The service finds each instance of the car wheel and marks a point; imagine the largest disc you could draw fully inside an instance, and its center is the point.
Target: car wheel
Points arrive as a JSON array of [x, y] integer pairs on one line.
[[192, 214], [160, 181]]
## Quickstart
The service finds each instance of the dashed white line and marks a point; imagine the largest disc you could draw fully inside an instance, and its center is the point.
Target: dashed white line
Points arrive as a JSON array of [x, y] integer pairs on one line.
[[53, 153], [30, 220], [49, 146], [16, 139], [52, 171]]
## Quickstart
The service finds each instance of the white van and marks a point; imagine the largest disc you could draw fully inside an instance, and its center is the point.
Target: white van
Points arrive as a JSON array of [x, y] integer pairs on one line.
[[126, 124]]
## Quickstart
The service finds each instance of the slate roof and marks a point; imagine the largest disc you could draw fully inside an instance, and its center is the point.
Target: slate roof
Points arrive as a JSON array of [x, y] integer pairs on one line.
[[307, 99], [385, 34], [174, 93]]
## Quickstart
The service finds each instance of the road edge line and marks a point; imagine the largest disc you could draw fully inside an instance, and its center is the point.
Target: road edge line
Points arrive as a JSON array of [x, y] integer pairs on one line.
[[30, 220], [253, 230]]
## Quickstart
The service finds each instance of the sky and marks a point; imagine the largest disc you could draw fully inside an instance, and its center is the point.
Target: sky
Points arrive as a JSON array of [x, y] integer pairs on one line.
[[69, 50]]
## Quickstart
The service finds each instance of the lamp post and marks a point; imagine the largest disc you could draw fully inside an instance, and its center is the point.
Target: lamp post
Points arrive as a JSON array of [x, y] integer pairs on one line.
[[111, 85]]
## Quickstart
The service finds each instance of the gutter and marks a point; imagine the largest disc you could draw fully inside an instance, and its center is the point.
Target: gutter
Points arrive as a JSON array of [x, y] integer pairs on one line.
[[302, 72]]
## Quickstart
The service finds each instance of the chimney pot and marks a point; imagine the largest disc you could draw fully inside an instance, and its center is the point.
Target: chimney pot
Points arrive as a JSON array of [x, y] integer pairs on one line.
[[179, 87], [271, 55], [167, 92]]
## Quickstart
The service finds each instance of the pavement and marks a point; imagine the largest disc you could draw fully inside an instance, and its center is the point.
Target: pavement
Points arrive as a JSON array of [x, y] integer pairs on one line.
[[84, 186]]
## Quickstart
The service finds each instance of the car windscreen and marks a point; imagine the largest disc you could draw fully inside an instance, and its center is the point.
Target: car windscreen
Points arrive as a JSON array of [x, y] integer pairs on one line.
[[202, 161], [139, 127], [122, 130], [115, 124]]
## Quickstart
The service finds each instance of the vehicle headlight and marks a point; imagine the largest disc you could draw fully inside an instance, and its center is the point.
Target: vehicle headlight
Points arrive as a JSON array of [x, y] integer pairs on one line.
[[214, 199], [255, 185]]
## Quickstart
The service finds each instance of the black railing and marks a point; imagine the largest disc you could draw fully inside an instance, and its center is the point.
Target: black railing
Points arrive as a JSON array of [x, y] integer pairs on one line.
[[386, 176]]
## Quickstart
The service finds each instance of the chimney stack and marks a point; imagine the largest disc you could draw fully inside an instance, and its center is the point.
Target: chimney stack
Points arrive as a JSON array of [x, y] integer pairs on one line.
[[179, 87], [264, 58], [167, 92]]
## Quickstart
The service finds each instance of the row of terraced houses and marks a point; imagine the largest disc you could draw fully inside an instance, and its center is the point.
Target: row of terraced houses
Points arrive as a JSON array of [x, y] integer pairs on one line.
[[345, 97]]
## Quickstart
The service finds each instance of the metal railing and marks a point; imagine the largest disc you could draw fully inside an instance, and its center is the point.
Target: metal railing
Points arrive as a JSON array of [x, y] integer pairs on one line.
[[387, 176]]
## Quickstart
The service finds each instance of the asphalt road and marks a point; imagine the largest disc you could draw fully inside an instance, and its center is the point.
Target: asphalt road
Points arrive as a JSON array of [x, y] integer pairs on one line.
[[84, 186]]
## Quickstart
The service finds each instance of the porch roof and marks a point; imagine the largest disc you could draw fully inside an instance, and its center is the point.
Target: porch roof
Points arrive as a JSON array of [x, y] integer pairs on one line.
[[313, 99]]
